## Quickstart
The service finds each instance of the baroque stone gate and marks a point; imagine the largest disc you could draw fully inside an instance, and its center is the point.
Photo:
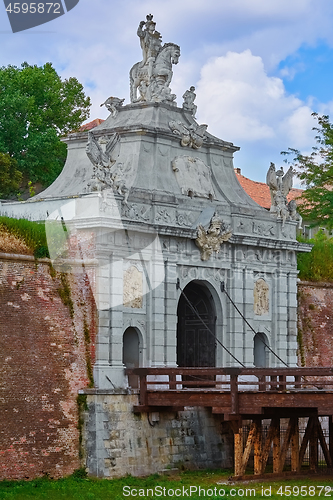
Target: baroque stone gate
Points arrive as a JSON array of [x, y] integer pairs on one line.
[[148, 204]]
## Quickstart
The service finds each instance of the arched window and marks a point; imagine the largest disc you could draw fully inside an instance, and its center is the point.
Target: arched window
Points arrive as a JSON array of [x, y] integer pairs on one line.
[[260, 351], [131, 353]]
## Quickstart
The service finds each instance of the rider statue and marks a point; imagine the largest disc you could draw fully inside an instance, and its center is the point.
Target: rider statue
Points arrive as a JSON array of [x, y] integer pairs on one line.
[[151, 43]]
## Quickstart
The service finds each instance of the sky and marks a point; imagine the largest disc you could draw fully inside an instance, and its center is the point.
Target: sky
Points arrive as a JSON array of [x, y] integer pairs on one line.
[[260, 67]]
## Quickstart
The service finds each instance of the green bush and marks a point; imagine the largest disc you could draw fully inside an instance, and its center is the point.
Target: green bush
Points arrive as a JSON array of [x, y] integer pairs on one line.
[[318, 264], [32, 233]]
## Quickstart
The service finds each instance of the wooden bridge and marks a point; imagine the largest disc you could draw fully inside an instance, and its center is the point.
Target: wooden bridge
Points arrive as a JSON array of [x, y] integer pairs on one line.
[[254, 394]]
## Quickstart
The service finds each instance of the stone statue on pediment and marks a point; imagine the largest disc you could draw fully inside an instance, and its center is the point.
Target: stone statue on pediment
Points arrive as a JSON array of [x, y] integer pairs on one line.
[[150, 78], [189, 98], [280, 184]]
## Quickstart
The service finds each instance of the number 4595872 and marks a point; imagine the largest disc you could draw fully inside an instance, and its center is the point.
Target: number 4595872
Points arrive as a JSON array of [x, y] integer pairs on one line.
[[33, 8]]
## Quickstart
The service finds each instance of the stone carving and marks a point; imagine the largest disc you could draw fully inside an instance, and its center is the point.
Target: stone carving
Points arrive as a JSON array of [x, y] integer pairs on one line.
[[294, 215], [189, 98], [211, 240], [193, 177], [133, 288], [136, 212], [261, 297], [280, 185], [192, 136], [103, 154], [263, 229], [152, 76], [113, 104], [107, 173]]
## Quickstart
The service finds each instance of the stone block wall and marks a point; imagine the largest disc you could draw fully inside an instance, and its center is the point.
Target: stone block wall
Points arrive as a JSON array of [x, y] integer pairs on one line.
[[118, 442], [47, 335], [315, 324]]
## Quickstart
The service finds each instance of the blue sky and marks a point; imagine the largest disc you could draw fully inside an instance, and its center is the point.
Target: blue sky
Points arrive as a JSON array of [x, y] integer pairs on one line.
[[260, 67]]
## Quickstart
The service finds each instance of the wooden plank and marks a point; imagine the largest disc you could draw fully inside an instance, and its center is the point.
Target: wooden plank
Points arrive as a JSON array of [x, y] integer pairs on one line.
[[234, 394], [295, 445], [323, 445], [285, 444], [248, 447], [305, 441], [330, 434], [313, 444], [257, 447], [238, 451], [272, 432], [276, 449]]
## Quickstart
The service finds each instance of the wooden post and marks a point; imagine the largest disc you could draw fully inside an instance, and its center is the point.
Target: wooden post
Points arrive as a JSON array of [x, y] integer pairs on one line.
[[237, 429], [314, 446], [276, 447], [234, 394], [295, 445], [330, 430], [172, 381], [143, 390], [258, 447]]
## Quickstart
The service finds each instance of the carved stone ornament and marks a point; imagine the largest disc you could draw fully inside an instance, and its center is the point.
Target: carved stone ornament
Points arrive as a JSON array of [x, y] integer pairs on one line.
[[280, 185], [261, 297], [133, 288], [192, 136], [113, 104], [193, 177], [150, 78], [211, 240], [107, 172]]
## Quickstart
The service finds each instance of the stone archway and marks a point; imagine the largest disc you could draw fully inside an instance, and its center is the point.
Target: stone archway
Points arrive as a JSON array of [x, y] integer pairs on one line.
[[196, 346]]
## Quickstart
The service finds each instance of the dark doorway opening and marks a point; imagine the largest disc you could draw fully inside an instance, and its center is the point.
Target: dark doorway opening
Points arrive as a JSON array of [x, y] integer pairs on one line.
[[131, 354], [196, 346]]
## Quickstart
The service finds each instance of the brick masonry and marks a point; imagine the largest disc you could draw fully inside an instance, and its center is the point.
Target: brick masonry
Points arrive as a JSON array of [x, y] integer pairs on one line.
[[315, 324], [43, 363]]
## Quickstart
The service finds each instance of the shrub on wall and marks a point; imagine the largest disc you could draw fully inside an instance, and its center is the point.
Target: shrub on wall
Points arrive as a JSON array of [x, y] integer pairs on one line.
[[32, 233], [318, 264]]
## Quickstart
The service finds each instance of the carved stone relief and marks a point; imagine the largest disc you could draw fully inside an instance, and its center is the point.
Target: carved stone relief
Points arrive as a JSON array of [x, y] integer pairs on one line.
[[192, 136], [193, 177], [136, 212], [263, 229], [261, 297], [133, 288], [211, 240]]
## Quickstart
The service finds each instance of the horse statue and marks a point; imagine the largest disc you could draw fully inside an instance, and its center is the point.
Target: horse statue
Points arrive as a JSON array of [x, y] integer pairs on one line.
[[155, 88]]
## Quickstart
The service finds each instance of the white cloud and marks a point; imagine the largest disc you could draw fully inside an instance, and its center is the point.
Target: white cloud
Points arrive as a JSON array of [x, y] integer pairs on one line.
[[240, 101]]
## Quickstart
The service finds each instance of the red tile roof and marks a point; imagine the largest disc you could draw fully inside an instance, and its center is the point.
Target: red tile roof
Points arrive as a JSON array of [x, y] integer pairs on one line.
[[259, 191], [90, 125]]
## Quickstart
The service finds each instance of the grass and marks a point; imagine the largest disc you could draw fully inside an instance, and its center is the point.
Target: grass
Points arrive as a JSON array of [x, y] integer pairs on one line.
[[32, 235], [81, 488]]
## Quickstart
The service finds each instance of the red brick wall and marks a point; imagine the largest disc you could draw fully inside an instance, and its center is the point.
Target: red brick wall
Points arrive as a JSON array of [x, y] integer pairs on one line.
[[315, 324], [43, 363]]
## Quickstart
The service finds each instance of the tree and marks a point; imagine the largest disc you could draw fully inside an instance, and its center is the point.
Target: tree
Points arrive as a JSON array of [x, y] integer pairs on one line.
[[316, 173], [36, 109], [10, 176]]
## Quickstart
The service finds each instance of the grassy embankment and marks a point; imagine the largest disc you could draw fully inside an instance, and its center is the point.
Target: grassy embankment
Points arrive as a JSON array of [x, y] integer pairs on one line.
[[76, 488]]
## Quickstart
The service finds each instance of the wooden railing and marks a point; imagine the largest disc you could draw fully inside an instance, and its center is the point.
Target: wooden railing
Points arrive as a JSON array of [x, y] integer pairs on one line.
[[232, 380]]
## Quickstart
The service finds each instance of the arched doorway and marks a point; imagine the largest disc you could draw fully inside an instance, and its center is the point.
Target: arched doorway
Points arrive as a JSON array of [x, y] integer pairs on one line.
[[195, 344], [131, 353], [260, 352]]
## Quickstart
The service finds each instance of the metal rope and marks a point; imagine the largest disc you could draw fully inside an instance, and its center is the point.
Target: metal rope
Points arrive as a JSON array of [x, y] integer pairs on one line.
[[248, 324]]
